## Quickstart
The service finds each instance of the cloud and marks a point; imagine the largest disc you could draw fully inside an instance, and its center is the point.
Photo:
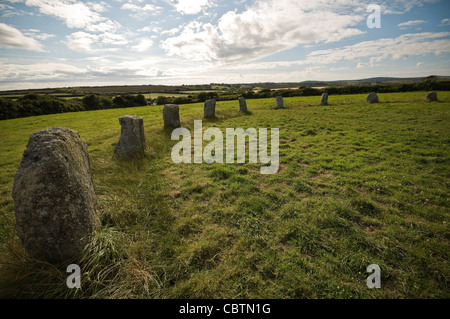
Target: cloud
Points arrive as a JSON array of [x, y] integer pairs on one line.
[[412, 23], [90, 43], [152, 29], [419, 64], [171, 32], [98, 7], [36, 34], [445, 22], [99, 33], [77, 14], [403, 6], [361, 65], [141, 12], [81, 41], [146, 8], [191, 7], [143, 45], [10, 37], [74, 14], [38, 72], [8, 11], [402, 47], [365, 54], [267, 27]]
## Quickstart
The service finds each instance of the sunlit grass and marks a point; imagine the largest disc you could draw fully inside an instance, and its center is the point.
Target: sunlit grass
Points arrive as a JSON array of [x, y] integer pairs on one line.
[[358, 184]]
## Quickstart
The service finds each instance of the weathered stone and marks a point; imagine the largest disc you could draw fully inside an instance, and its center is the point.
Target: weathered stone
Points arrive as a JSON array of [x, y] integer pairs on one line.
[[210, 109], [171, 116], [54, 195], [279, 102], [372, 98], [242, 105], [324, 99], [132, 139], [432, 97]]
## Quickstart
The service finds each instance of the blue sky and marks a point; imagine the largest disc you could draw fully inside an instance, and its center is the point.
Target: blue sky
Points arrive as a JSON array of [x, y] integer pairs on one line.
[[59, 43]]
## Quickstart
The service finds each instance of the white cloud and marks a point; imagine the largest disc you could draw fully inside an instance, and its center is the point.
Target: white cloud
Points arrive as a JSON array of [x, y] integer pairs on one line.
[[75, 14], [4, 7], [8, 11], [146, 8], [50, 74], [361, 65], [99, 33], [151, 29], [143, 45], [445, 22], [81, 41], [402, 47], [130, 69], [191, 6], [106, 26], [364, 54], [267, 27], [419, 64], [37, 34], [412, 23], [402, 6], [10, 37], [98, 7], [171, 32], [141, 12], [110, 38], [90, 43]]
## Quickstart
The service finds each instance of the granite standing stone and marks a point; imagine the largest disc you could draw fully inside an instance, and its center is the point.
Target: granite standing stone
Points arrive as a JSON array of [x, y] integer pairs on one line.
[[324, 99], [279, 102], [132, 139], [372, 98], [242, 105], [54, 196], [210, 109], [432, 97], [171, 116]]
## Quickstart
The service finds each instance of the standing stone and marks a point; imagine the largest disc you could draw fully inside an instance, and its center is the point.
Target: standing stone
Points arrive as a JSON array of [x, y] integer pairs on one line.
[[210, 109], [279, 102], [54, 195], [324, 99], [432, 97], [171, 116], [132, 139], [242, 105], [372, 98]]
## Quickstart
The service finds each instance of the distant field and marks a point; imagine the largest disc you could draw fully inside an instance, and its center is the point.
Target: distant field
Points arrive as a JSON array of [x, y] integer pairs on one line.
[[69, 96], [155, 95], [199, 91], [358, 184]]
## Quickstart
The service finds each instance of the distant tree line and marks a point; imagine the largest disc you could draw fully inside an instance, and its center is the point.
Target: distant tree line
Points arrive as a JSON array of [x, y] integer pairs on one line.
[[306, 91], [37, 104]]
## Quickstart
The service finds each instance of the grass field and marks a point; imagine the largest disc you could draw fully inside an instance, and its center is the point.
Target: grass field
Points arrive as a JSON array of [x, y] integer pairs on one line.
[[358, 184]]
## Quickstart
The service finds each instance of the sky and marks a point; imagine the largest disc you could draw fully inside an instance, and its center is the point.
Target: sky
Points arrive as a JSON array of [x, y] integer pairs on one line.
[[63, 43]]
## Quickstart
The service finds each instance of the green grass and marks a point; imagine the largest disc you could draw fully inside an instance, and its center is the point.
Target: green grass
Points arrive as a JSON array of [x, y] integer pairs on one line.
[[358, 184]]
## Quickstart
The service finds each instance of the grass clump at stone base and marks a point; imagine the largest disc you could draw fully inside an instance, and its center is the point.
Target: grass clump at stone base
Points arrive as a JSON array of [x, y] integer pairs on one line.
[[358, 184]]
